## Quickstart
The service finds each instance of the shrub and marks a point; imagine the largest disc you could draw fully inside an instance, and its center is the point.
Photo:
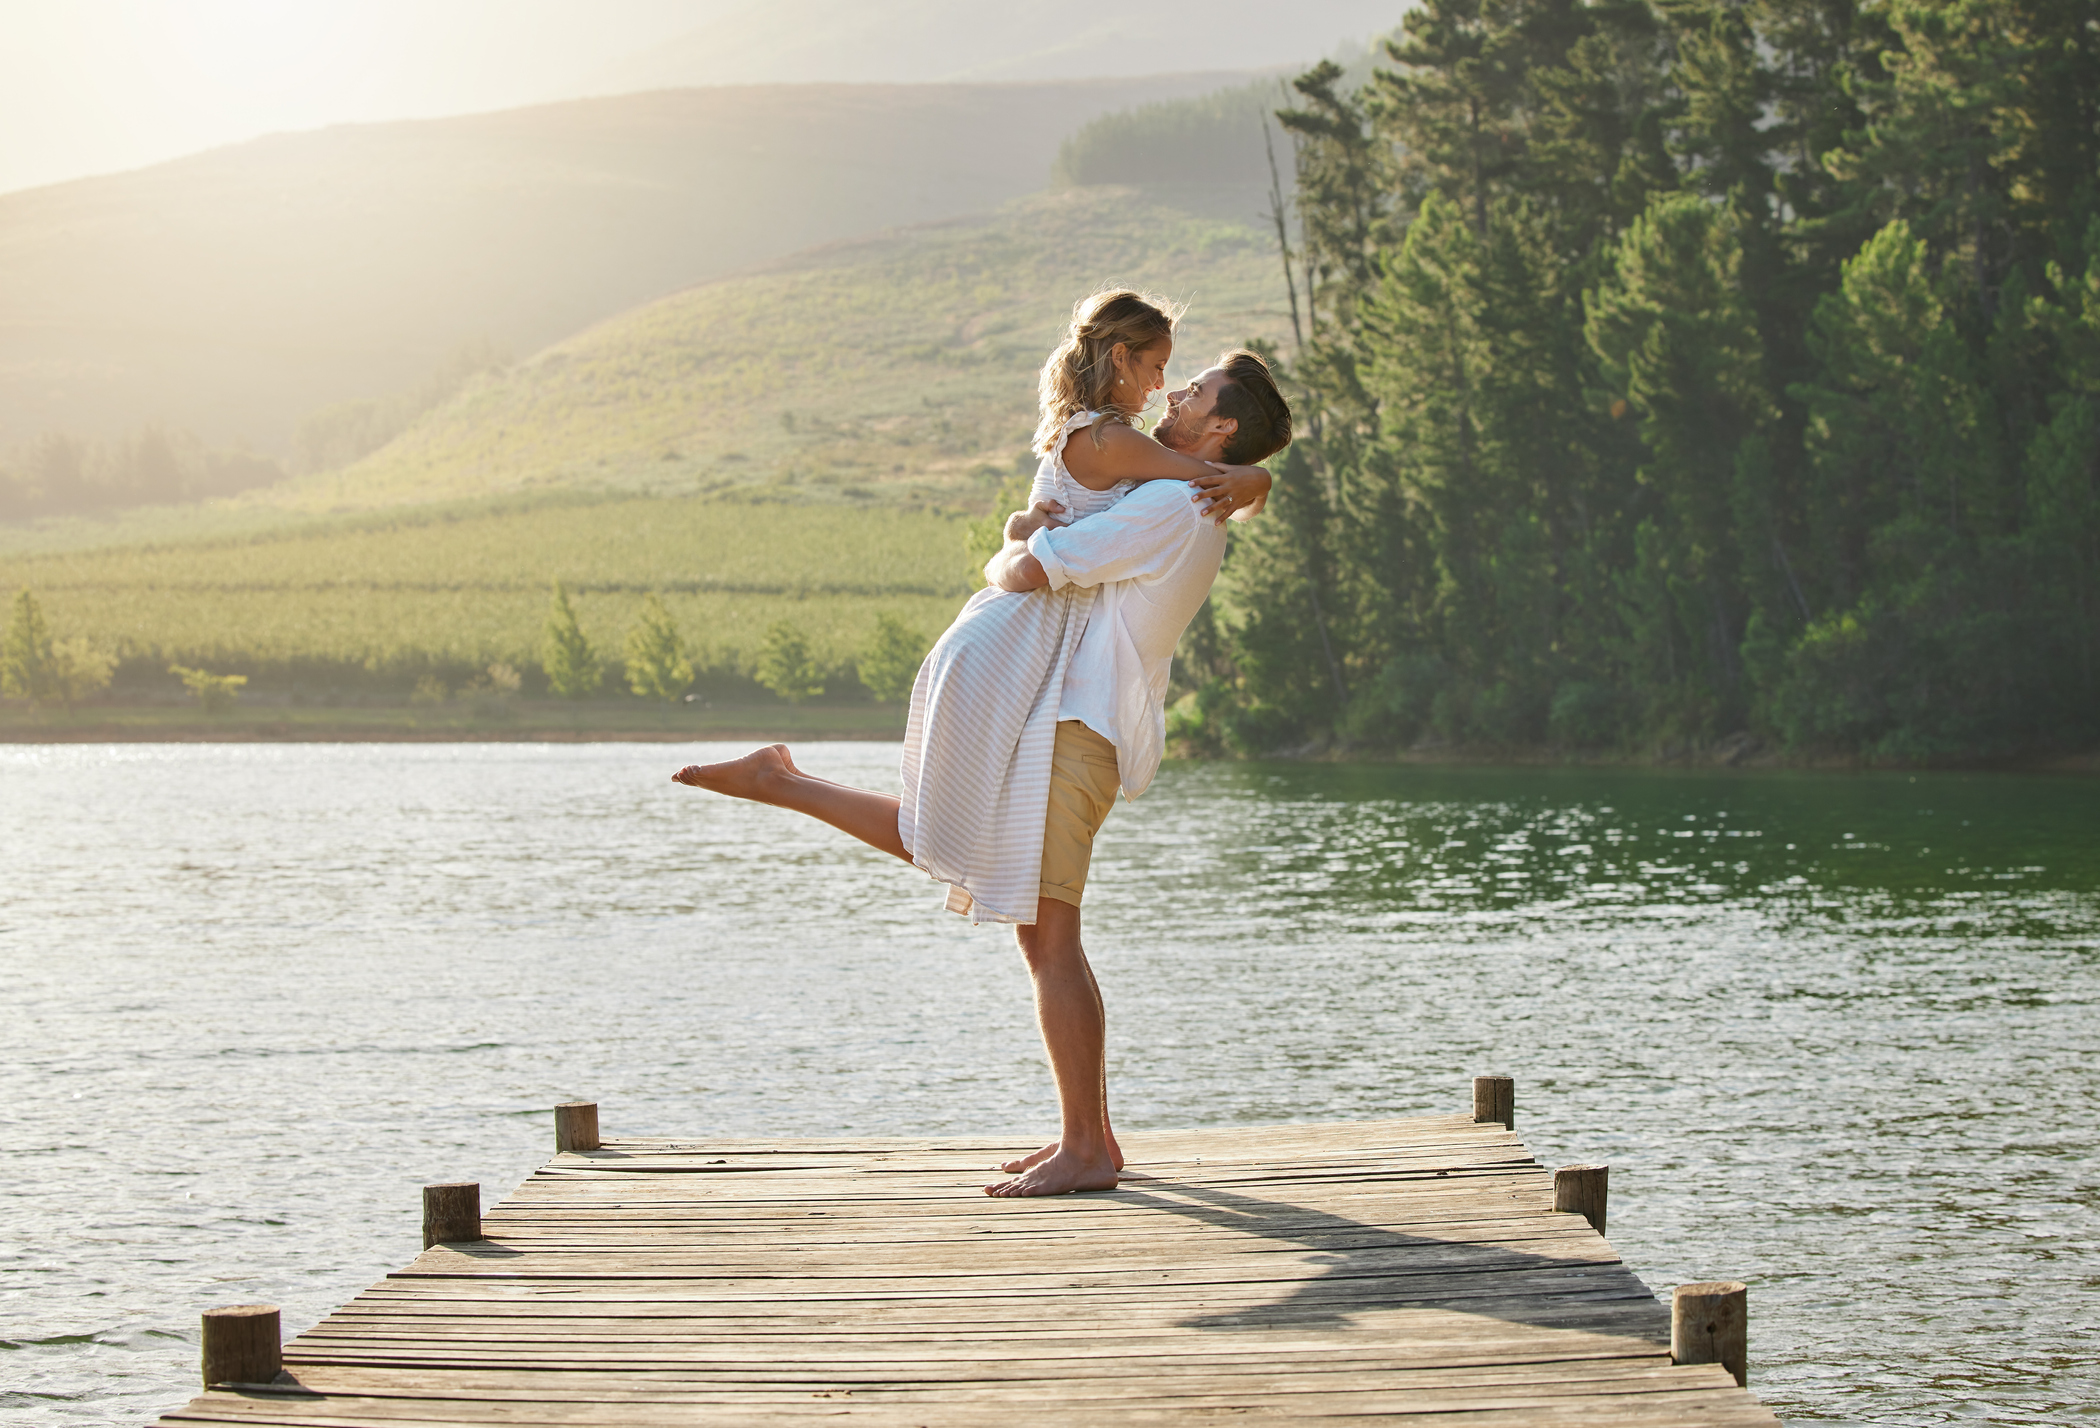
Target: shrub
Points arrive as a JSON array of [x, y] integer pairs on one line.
[[216, 692], [1196, 724], [28, 664], [785, 665], [570, 662], [84, 668], [1583, 715], [889, 666], [656, 664], [1393, 710], [491, 693]]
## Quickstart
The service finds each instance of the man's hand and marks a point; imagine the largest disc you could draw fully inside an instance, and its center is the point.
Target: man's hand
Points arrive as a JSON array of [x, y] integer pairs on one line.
[[1234, 493], [1023, 524]]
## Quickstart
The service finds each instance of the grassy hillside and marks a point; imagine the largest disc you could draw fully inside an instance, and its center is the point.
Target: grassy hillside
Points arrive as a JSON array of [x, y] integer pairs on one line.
[[896, 367], [235, 291], [802, 443]]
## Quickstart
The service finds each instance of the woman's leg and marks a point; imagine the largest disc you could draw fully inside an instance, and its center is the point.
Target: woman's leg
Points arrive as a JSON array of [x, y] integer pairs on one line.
[[768, 775]]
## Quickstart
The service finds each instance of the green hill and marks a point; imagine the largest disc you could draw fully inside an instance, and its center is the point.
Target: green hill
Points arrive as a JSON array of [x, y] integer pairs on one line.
[[895, 367]]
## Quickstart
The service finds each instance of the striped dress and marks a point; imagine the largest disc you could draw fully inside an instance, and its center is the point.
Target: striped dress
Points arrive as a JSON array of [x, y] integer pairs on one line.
[[983, 723]]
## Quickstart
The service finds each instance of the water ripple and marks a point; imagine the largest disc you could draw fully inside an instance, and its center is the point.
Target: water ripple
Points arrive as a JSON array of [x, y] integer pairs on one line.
[[1835, 1035]]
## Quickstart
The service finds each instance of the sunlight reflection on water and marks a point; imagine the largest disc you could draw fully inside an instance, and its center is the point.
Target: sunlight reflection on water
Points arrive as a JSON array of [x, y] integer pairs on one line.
[[1836, 1035]]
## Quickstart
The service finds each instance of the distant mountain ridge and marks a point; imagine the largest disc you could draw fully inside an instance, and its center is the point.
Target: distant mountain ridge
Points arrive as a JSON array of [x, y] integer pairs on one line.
[[233, 292]]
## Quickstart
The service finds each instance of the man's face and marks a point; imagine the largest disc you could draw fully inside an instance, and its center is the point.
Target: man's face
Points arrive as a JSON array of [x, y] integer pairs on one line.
[[1191, 412]]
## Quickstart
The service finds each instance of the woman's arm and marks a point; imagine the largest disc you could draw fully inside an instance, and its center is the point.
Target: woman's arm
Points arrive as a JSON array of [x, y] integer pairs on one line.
[[1124, 454], [1127, 455]]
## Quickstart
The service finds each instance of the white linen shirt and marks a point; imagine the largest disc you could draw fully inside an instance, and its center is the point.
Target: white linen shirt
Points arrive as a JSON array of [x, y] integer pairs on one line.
[[1154, 555]]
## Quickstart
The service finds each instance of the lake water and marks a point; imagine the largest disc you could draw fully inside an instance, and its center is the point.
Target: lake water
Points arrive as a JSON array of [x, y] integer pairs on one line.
[[1836, 1035]]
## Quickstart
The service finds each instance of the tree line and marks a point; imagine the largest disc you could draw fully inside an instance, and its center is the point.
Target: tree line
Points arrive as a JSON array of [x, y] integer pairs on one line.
[[1683, 371], [63, 475]]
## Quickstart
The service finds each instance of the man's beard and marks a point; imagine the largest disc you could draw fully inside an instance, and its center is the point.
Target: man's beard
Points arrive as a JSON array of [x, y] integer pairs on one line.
[[1168, 430]]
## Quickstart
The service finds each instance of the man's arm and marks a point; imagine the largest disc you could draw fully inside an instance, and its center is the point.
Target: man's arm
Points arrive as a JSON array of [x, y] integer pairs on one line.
[[1147, 533], [1014, 569]]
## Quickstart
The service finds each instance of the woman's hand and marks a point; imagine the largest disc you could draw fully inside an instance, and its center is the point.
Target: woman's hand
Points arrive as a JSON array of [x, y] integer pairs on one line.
[[1023, 524], [1234, 493]]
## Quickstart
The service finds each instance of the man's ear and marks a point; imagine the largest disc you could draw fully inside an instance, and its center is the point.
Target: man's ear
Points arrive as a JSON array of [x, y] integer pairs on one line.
[[1228, 425]]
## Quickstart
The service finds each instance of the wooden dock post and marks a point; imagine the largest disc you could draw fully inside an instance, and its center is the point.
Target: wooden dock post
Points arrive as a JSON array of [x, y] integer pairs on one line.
[[576, 1125], [1582, 1190], [451, 1212], [243, 1343], [1495, 1100], [1709, 1324]]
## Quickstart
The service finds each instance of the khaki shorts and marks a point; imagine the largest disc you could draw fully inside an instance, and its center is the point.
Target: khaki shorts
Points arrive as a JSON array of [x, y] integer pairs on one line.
[[1083, 787]]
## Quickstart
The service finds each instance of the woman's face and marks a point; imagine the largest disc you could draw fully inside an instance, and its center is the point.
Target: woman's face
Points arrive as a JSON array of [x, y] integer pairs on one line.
[[1142, 373]]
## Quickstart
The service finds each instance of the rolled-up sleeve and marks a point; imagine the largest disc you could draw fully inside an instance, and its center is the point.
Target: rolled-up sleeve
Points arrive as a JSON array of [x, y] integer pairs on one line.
[[1145, 533]]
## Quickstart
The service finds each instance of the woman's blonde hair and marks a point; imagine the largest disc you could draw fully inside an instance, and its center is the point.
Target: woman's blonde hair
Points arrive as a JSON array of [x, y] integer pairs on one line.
[[1081, 374]]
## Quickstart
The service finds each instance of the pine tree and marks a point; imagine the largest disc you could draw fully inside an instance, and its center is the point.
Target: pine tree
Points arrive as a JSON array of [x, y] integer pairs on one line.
[[571, 664], [657, 667], [1453, 106], [2061, 543], [1281, 601], [1674, 336], [1897, 430], [1427, 371]]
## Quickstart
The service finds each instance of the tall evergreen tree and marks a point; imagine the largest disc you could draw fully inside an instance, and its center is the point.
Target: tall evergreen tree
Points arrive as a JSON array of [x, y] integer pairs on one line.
[[1677, 343]]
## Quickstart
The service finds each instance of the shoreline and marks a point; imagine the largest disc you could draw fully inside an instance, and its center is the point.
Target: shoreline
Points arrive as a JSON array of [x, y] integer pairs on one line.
[[551, 721], [528, 721]]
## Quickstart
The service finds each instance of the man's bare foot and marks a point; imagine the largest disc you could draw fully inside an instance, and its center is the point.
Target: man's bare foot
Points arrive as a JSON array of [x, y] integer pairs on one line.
[[1030, 1162], [1061, 1174], [751, 776]]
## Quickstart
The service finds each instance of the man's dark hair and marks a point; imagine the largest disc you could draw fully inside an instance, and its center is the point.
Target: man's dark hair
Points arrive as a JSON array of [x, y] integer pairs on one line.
[[1249, 397]]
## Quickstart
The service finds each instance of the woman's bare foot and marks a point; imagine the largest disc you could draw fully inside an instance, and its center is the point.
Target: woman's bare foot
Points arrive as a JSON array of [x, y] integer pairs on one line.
[[1061, 1174], [753, 776], [1030, 1162]]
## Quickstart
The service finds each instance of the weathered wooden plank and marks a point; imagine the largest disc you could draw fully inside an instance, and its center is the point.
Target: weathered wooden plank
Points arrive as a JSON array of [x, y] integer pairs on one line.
[[1346, 1272], [1605, 1410]]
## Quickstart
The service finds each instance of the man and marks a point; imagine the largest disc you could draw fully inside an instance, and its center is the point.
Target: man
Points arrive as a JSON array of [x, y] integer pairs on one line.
[[1153, 557]]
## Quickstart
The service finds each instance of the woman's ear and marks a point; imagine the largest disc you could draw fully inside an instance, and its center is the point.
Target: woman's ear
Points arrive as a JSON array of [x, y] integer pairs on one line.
[[1119, 358]]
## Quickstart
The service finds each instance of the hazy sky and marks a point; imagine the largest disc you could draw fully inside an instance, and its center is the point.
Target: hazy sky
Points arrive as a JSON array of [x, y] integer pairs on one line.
[[92, 86]]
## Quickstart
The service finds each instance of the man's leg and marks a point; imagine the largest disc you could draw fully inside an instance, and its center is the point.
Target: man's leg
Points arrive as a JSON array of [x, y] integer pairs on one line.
[[1068, 1010], [1108, 1122], [768, 775]]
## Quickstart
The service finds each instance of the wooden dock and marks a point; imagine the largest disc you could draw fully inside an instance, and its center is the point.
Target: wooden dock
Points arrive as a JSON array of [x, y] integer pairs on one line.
[[1409, 1269]]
